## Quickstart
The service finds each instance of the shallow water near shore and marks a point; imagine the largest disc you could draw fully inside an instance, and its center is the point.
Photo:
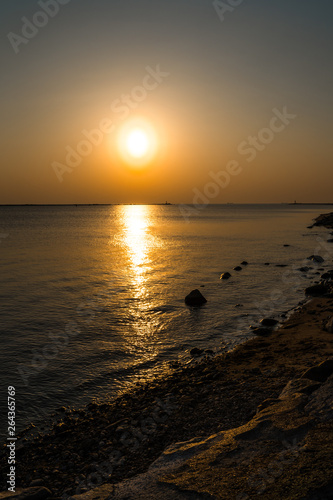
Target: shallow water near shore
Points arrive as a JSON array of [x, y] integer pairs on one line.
[[93, 296]]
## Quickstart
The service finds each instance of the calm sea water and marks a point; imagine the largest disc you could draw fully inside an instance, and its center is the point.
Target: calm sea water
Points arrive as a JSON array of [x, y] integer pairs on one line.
[[92, 297]]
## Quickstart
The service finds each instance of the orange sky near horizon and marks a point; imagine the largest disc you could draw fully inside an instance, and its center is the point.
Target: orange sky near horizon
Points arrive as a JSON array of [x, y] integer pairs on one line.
[[254, 89]]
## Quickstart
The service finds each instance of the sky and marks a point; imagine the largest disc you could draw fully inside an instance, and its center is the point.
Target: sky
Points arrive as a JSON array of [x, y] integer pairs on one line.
[[234, 99]]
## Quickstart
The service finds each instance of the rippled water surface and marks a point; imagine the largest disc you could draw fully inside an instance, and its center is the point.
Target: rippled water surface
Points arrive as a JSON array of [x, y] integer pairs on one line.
[[92, 297]]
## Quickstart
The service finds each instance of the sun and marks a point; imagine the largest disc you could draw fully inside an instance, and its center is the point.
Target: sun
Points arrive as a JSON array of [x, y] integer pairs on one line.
[[137, 143]]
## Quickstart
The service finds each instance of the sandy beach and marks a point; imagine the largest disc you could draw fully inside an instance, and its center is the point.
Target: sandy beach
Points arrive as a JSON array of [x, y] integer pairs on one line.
[[208, 407]]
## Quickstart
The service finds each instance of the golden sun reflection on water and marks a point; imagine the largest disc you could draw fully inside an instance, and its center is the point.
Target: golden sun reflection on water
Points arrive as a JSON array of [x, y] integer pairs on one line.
[[139, 244], [136, 239]]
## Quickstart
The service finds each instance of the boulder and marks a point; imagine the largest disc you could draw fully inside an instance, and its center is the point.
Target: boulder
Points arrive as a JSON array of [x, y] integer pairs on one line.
[[196, 352], [330, 240], [316, 258], [237, 268], [324, 220], [268, 322], [321, 372], [244, 263], [225, 276], [317, 290], [195, 298]]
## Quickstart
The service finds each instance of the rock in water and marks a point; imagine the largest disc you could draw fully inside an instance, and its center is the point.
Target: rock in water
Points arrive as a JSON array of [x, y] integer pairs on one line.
[[225, 276], [237, 268], [316, 258], [304, 269], [196, 352], [269, 322], [244, 263], [317, 290], [327, 276], [195, 298]]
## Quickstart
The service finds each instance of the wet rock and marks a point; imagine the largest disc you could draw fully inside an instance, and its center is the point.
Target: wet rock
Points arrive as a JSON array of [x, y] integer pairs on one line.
[[321, 372], [238, 268], [225, 276], [286, 245], [328, 325], [244, 263], [317, 290], [267, 264], [304, 269], [324, 220], [268, 322], [195, 298], [196, 352], [262, 332], [316, 258], [327, 276], [281, 265]]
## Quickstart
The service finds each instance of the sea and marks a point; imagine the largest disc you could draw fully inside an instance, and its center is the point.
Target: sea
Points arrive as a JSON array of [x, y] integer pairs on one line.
[[92, 297]]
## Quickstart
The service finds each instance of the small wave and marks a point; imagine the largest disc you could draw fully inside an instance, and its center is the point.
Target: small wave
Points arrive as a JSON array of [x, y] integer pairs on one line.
[[163, 309]]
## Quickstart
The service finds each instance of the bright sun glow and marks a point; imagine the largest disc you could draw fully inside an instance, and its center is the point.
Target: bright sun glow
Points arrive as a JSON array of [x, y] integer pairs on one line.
[[137, 143]]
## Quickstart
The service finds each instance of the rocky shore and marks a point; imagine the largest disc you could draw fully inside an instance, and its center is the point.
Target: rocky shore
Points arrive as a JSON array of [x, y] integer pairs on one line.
[[253, 423]]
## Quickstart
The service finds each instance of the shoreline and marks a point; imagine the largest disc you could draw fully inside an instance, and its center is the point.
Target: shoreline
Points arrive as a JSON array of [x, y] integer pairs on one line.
[[110, 443]]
